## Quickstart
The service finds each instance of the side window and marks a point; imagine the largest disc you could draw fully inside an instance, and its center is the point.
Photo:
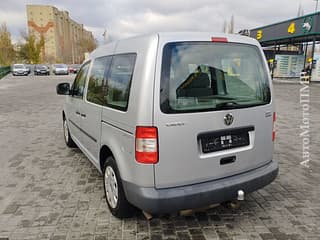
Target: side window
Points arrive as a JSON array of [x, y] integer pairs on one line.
[[97, 80], [79, 82], [119, 81]]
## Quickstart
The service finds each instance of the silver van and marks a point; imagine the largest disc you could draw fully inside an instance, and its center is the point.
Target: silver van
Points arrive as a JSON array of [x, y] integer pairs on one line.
[[174, 120]]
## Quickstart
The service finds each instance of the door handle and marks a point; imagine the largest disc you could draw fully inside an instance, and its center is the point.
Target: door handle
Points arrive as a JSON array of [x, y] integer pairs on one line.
[[83, 115], [78, 113]]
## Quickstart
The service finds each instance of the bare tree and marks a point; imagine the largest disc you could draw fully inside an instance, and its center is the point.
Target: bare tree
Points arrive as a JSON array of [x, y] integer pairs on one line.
[[87, 45]]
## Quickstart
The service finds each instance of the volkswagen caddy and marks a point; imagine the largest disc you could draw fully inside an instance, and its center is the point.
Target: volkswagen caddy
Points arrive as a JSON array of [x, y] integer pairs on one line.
[[174, 121]]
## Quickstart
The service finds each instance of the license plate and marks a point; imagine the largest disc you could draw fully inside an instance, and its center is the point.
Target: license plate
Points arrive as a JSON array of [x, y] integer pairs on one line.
[[226, 139]]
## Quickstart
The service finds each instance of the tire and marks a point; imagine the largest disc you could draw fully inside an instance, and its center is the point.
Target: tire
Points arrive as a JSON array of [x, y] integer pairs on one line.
[[67, 137], [113, 190]]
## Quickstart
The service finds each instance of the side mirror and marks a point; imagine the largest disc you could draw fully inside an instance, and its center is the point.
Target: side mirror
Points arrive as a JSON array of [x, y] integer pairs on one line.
[[63, 89]]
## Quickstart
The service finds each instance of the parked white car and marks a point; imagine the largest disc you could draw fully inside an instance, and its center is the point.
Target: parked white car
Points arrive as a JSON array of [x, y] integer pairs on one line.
[[19, 70], [60, 69]]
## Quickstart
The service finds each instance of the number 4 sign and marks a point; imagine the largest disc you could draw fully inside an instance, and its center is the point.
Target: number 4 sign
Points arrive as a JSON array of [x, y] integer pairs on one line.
[[292, 28]]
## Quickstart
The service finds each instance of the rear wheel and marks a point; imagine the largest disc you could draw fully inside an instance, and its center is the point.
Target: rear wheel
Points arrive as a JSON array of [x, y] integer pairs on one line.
[[67, 137], [115, 197]]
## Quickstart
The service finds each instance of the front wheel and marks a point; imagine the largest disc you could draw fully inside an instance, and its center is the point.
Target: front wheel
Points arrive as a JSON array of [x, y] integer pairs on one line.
[[114, 193], [67, 137]]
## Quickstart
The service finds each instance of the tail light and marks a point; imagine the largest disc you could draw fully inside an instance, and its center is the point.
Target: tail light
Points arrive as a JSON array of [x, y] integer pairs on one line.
[[147, 145], [273, 127]]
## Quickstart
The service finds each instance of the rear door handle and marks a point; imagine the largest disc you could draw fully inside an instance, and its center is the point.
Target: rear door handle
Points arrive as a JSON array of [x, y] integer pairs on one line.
[[78, 113], [83, 115]]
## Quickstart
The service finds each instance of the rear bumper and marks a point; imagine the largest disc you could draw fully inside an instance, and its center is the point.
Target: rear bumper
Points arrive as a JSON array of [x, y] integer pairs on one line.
[[61, 72], [198, 195], [41, 73]]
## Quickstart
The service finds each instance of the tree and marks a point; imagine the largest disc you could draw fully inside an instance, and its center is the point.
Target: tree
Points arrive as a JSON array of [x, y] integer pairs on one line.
[[88, 44], [31, 50], [41, 47], [7, 53]]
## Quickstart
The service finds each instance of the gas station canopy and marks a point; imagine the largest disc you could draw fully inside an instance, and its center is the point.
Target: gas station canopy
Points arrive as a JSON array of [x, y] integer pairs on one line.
[[297, 30]]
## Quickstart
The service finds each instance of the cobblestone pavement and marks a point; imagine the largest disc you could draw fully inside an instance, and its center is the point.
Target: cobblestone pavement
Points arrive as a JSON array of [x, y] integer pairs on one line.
[[48, 191]]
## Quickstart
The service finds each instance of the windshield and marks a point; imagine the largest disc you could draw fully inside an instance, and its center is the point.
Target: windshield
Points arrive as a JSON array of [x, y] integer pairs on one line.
[[212, 76], [18, 66], [41, 67]]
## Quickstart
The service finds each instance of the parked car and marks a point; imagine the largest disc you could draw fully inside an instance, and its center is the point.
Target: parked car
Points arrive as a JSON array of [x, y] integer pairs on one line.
[[74, 68], [29, 67], [19, 69], [174, 120], [41, 69], [60, 69]]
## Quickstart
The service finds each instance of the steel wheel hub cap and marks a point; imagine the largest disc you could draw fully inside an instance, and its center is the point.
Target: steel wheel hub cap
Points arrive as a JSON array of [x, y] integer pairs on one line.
[[111, 186], [65, 129]]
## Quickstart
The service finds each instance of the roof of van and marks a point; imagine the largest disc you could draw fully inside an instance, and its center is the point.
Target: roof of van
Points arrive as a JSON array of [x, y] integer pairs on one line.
[[205, 36], [165, 37]]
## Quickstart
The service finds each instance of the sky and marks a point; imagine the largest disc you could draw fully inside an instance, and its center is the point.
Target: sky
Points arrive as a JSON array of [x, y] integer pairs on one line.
[[125, 18]]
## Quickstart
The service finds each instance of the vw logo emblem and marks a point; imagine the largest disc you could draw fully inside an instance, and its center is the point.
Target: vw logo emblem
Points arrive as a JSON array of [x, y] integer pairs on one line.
[[228, 119]]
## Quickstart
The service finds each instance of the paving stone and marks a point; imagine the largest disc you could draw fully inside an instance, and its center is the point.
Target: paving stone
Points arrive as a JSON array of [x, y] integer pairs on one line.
[[100, 237], [51, 192], [156, 236], [12, 208]]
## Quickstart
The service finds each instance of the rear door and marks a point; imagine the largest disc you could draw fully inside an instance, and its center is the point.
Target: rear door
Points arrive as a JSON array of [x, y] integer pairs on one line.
[[213, 112]]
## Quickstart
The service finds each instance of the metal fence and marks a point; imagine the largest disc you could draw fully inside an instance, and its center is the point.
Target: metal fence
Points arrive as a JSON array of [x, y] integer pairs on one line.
[[4, 71]]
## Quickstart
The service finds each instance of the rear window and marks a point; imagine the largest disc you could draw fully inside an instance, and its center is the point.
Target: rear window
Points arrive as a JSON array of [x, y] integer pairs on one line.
[[206, 76], [61, 66]]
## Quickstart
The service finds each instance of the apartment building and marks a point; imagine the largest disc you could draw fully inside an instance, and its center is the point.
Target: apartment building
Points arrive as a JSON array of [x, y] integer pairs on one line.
[[65, 40]]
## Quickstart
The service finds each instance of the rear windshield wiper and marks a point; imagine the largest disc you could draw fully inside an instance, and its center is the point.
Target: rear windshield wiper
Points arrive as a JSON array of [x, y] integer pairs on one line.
[[227, 105], [234, 105]]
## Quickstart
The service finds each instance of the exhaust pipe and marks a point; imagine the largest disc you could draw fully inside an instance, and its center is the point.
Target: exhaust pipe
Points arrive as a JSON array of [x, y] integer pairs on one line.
[[240, 195]]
